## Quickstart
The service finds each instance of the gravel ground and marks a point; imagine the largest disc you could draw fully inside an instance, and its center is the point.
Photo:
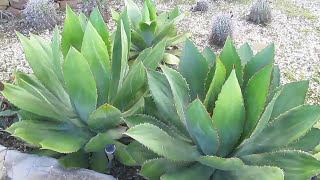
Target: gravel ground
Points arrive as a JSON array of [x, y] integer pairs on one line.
[[295, 31]]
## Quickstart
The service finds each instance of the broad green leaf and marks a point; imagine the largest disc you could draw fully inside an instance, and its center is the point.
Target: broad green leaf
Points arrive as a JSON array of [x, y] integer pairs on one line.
[[306, 143], [230, 58], [209, 78], [174, 13], [178, 39], [170, 59], [44, 152], [134, 14], [229, 115], [119, 65], [56, 55], [138, 40], [296, 165], [155, 168], [80, 80], [148, 30], [105, 117], [215, 86], [209, 55], [140, 153], [152, 10], [201, 128], [180, 91], [96, 54], [98, 23], [245, 53], [260, 60], [75, 160], [226, 164], [194, 68], [155, 56], [287, 128], [116, 132], [132, 89], [72, 34], [275, 78], [168, 147], [255, 98], [115, 15], [163, 34], [145, 12], [99, 162], [196, 171], [83, 21], [251, 173], [293, 95], [163, 98], [126, 25]]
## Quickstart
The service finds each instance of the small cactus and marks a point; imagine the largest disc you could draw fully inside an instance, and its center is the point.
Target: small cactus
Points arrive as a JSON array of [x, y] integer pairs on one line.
[[260, 12], [87, 6], [221, 29], [202, 6], [40, 14]]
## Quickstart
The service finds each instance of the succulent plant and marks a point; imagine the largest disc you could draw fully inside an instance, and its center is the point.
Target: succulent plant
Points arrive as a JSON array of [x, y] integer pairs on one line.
[[201, 5], [226, 121], [40, 14], [87, 6], [8, 114], [149, 29], [260, 12], [221, 29], [79, 92]]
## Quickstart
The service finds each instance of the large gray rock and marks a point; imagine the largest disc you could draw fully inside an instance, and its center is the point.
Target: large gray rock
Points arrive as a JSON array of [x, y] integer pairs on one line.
[[20, 166], [18, 4]]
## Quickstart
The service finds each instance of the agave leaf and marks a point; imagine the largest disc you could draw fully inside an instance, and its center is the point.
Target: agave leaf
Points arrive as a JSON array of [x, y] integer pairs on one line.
[[126, 25], [83, 21], [285, 102], [295, 164], [229, 115], [209, 55], [96, 53], [245, 53], [132, 88], [275, 78], [196, 171], [80, 80], [148, 30], [76, 160], [174, 13], [178, 39], [260, 60], [215, 86], [163, 34], [251, 173], [138, 40], [230, 58], [287, 128], [180, 91], [152, 10], [140, 153], [168, 147], [163, 98], [72, 34], [201, 128], [155, 168], [255, 98], [145, 13], [57, 59], [134, 14], [209, 78], [98, 23], [105, 117], [226, 164], [45, 152], [170, 59], [307, 143], [194, 68], [99, 162], [119, 65], [155, 56]]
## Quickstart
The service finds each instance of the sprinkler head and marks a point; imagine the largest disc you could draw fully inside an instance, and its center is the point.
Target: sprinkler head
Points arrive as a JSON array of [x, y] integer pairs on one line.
[[109, 150]]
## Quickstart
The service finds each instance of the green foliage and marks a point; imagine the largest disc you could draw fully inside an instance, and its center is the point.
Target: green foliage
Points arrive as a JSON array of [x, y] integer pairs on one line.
[[80, 91], [149, 29], [243, 126], [8, 114], [260, 12]]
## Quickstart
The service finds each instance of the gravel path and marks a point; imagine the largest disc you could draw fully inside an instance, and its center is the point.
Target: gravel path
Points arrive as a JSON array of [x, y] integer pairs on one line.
[[295, 31]]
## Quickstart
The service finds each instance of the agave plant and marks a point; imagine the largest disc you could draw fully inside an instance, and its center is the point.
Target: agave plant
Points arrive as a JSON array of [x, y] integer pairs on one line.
[[218, 120], [149, 29], [78, 94]]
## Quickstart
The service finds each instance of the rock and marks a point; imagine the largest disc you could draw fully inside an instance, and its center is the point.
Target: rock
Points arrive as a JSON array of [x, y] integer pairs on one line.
[[72, 3], [16, 12], [20, 166], [18, 4], [2, 148], [4, 2], [3, 173]]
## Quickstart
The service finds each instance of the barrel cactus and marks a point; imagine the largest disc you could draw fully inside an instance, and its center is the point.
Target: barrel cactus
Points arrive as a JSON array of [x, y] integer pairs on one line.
[[80, 91], [87, 6], [226, 121], [40, 14], [260, 12], [201, 5], [221, 29]]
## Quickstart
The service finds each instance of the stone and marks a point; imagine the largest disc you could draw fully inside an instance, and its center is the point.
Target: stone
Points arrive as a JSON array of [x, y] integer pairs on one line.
[[18, 4], [16, 12], [3, 7], [3, 172], [20, 166], [4, 2], [73, 4], [2, 148]]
